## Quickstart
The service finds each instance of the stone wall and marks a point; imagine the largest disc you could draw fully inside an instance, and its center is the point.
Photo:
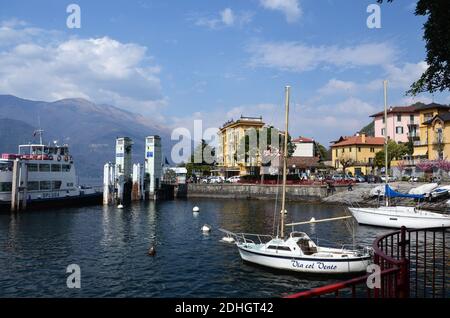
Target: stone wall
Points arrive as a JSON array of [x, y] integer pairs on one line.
[[252, 191]]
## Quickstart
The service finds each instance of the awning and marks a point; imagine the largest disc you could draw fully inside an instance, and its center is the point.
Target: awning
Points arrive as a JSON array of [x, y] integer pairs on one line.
[[420, 151]]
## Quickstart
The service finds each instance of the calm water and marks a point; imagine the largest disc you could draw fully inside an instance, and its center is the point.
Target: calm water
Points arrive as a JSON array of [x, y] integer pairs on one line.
[[110, 246]]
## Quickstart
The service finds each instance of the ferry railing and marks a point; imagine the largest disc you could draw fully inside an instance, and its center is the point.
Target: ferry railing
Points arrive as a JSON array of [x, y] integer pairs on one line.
[[412, 263]]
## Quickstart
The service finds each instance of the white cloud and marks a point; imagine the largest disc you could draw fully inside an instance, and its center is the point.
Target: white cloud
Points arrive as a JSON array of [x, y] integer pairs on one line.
[[298, 57], [402, 77], [335, 86], [290, 8], [225, 18], [103, 70]]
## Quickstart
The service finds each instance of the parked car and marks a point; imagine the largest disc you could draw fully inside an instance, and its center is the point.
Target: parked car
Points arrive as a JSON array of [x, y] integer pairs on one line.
[[390, 178], [373, 179], [413, 179], [234, 179], [215, 179], [360, 178]]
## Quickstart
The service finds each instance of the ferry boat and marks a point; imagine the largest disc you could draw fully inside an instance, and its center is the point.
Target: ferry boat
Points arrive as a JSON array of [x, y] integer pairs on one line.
[[45, 175]]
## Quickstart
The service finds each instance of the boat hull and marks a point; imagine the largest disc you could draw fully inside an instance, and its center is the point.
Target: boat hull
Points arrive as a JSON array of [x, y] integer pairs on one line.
[[81, 200], [306, 264], [392, 219]]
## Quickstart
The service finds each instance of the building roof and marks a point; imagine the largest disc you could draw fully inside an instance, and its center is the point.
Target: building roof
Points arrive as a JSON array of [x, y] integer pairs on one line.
[[257, 121], [397, 110], [358, 140], [411, 109], [303, 162], [444, 117], [303, 140]]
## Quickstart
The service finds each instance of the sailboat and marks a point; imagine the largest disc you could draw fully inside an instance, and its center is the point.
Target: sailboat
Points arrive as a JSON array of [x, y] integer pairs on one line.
[[297, 252], [397, 216]]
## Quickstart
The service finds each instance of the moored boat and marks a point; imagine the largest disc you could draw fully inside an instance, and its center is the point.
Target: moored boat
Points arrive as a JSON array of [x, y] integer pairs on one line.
[[45, 176]]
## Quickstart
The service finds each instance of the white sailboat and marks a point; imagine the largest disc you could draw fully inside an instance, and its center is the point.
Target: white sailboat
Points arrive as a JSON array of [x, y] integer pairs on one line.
[[398, 216], [297, 252]]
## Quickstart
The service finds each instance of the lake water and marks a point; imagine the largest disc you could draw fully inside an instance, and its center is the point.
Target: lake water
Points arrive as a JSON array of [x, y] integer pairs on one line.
[[110, 246]]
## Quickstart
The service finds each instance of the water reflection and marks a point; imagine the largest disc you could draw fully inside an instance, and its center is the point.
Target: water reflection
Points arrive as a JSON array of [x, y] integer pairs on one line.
[[111, 245]]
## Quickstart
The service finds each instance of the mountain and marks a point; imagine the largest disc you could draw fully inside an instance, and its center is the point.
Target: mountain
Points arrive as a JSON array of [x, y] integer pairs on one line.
[[90, 129], [369, 130]]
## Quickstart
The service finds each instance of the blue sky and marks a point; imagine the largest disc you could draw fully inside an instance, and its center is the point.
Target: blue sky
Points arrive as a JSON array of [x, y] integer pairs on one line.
[[176, 61]]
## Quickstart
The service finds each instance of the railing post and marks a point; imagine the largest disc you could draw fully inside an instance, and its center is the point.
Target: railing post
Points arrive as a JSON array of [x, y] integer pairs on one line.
[[403, 275]]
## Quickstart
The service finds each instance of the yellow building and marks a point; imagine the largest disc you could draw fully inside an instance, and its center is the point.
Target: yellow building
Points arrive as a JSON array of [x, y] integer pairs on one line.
[[230, 137], [434, 136], [357, 153]]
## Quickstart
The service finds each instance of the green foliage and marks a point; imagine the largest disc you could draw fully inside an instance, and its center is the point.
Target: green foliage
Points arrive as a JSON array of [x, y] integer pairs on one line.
[[322, 151], [437, 39], [204, 166], [395, 152], [369, 130]]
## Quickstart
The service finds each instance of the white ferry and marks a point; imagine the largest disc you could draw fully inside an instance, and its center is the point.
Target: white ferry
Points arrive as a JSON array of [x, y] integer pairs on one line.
[[47, 177]]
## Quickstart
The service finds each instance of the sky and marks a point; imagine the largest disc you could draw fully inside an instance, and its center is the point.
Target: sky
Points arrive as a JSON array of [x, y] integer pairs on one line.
[[175, 61]]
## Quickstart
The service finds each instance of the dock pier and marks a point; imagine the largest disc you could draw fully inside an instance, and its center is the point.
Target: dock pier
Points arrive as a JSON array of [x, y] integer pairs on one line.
[[124, 181]]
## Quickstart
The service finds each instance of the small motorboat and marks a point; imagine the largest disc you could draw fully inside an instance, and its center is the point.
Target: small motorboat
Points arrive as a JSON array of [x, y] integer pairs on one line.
[[424, 189], [440, 192]]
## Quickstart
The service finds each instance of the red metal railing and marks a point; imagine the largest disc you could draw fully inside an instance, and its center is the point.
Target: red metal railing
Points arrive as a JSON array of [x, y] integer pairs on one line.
[[412, 264]]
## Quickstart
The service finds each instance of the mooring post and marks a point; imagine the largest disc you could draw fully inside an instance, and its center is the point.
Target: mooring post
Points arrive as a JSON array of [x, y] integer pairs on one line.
[[24, 184], [403, 277], [15, 185]]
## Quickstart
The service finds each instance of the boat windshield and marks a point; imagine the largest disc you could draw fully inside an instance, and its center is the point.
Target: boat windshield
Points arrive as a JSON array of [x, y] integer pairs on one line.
[[306, 246], [6, 166]]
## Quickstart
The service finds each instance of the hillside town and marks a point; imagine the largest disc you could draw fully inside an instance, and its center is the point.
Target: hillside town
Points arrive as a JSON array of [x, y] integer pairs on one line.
[[418, 145]]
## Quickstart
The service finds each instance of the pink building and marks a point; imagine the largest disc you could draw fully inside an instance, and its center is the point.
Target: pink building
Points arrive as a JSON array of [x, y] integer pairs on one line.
[[402, 123]]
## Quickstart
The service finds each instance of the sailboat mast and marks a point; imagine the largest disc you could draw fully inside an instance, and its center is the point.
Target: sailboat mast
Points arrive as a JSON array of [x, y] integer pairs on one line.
[[285, 155], [385, 141]]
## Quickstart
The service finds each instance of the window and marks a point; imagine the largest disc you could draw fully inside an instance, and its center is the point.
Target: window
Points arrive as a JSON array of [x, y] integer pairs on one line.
[[32, 167], [382, 131], [33, 185], [44, 167], [411, 118], [343, 150], [439, 135], [372, 149], [65, 168], [359, 149], [280, 248], [350, 149], [56, 168], [336, 152], [399, 130], [399, 117], [383, 120], [428, 116], [56, 185], [5, 186], [45, 185], [69, 184]]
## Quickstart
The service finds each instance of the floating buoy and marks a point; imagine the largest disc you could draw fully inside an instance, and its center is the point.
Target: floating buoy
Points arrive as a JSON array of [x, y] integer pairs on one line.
[[120, 206], [196, 209], [228, 239], [152, 251], [206, 228]]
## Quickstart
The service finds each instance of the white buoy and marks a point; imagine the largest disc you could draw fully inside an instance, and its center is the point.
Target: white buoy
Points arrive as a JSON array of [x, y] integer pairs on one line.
[[196, 209], [206, 228], [120, 206], [227, 239]]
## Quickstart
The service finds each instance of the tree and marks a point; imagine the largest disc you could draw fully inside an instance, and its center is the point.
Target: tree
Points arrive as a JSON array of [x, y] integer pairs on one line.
[[345, 162], [395, 152], [322, 151], [437, 39], [200, 160]]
